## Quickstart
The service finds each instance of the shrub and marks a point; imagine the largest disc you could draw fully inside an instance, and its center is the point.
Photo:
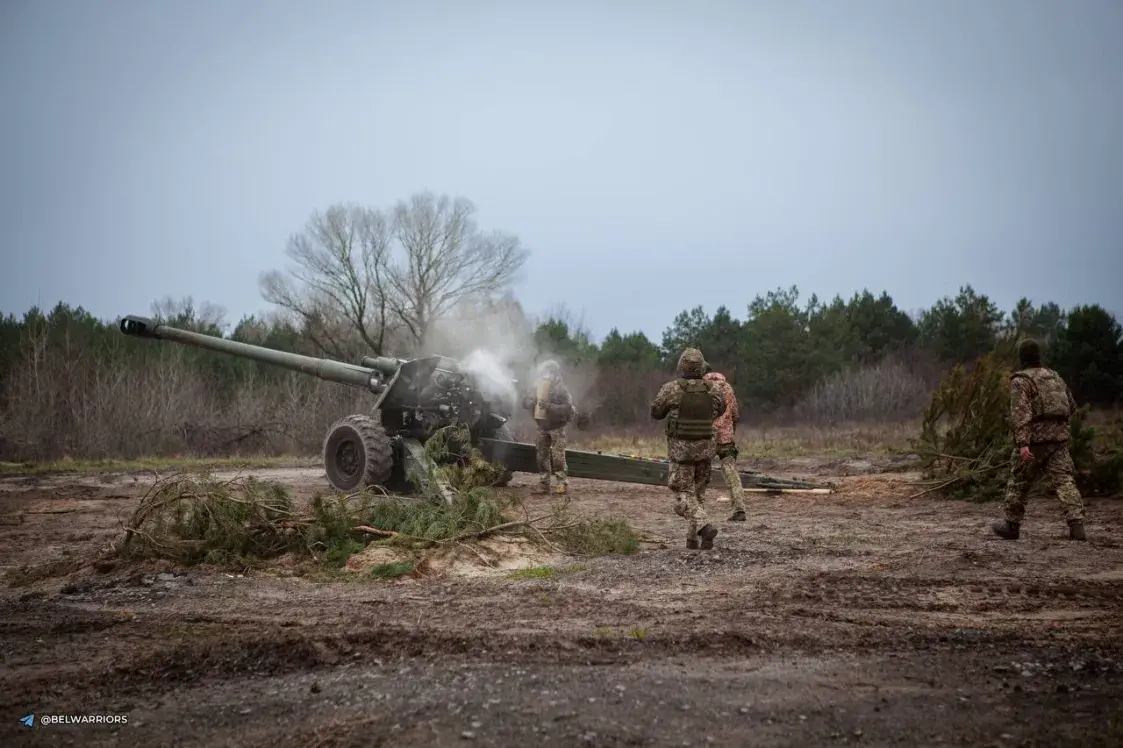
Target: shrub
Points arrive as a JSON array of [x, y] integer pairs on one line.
[[966, 445], [885, 391]]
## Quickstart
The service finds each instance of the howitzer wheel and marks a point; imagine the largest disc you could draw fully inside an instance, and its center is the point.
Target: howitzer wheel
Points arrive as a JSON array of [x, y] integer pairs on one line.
[[357, 453]]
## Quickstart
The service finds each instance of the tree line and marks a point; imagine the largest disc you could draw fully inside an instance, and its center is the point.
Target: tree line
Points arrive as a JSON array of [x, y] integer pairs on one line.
[[423, 277], [72, 384], [858, 358]]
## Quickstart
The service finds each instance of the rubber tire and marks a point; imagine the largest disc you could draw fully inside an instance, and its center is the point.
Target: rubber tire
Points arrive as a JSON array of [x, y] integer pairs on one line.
[[376, 454], [503, 434]]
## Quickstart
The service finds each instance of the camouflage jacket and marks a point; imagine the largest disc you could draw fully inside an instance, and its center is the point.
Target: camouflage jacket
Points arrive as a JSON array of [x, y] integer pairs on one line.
[[665, 405], [727, 421], [559, 408], [1028, 427]]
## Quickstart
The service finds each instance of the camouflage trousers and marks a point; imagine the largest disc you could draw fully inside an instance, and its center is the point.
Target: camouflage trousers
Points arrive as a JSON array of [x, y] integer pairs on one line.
[[733, 480], [688, 481], [1053, 463], [551, 457]]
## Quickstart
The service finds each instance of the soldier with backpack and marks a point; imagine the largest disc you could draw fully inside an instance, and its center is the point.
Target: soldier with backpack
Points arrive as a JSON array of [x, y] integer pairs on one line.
[[1041, 409], [690, 404]]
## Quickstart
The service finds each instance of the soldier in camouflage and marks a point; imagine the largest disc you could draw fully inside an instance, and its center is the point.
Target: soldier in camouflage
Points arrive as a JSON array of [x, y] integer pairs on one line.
[[552, 408], [691, 405], [1041, 409], [726, 442]]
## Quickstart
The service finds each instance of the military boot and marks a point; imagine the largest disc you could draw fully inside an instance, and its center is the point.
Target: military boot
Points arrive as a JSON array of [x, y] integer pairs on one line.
[[562, 489], [1006, 529], [1076, 530], [692, 544], [707, 534], [738, 516]]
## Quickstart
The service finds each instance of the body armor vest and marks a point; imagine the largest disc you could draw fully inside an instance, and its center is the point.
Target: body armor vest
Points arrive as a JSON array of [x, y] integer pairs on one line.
[[695, 413], [1050, 394]]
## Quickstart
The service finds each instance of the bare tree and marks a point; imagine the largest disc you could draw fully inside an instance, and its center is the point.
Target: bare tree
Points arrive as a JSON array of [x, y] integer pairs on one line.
[[573, 321], [184, 312], [350, 287], [446, 260], [339, 282]]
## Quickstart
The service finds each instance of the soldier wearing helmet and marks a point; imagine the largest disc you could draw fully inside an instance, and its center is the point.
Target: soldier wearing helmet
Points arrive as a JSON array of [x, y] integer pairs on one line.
[[551, 405], [724, 428], [690, 405], [1041, 409]]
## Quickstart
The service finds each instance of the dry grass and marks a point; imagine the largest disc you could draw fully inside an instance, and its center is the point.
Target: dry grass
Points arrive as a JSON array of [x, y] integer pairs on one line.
[[863, 439], [847, 440], [156, 464]]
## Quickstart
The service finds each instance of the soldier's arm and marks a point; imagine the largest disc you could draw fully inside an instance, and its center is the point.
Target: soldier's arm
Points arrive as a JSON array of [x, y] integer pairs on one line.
[[734, 408], [717, 402], [1021, 411], [661, 405], [529, 399], [561, 397]]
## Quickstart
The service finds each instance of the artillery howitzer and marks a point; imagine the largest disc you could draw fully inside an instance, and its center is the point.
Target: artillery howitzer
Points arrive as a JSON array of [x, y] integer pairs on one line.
[[414, 401]]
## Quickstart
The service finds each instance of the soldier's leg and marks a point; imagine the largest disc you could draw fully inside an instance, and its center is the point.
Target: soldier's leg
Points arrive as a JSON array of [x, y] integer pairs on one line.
[[736, 490], [702, 476], [1014, 505], [700, 525], [693, 510], [1059, 472], [542, 447], [680, 484], [557, 460]]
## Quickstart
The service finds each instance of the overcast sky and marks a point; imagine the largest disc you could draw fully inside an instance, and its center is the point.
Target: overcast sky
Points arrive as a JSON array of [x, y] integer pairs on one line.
[[652, 156]]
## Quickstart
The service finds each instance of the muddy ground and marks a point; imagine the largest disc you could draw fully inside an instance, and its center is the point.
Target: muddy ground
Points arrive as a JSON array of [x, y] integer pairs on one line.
[[864, 617]]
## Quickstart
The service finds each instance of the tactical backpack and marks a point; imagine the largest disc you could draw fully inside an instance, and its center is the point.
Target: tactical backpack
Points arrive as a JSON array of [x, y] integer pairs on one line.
[[1050, 401], [695, 413]]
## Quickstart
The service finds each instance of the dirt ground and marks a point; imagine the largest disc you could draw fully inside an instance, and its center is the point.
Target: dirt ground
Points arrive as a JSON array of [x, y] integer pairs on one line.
[[863, 617]]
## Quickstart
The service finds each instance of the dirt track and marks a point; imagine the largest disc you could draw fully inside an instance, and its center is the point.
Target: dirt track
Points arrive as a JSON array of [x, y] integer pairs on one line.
[[858, 618]]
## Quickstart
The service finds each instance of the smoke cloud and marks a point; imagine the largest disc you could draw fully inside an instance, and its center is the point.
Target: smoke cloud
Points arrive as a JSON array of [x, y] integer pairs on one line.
[[494, 340]]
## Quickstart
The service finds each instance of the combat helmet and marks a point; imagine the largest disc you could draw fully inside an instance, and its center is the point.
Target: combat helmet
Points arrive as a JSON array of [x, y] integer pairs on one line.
[[691, 364], [549, 369], [1029, 353]]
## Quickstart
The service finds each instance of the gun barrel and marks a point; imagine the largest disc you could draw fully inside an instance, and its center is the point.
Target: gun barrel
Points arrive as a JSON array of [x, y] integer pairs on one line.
[[388, 366], [323, 368]]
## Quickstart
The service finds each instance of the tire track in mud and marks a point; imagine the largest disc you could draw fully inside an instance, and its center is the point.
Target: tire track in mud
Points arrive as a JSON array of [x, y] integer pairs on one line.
[[220, 651], [942, 594], [150, 652]]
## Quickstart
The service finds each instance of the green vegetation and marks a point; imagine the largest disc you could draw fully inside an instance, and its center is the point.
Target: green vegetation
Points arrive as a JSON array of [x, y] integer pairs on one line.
[[72, 385], [534, 572], [391, 570], [544, 572], [470, 512], [243, 521], [204, 520], [597, 537], [966, 445]]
